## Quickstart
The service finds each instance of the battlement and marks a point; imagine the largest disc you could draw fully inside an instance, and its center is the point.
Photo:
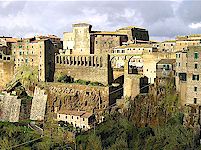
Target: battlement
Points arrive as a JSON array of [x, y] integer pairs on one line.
[[81, 60]]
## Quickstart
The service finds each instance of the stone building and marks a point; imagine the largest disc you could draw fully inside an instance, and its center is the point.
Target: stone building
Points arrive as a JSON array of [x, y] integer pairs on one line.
[[79, 119], [167, 46], [188, 75], [6, 44], [165, 68], [6, 69], [182, 42], [83, 41], [135, 33], [35, 52]]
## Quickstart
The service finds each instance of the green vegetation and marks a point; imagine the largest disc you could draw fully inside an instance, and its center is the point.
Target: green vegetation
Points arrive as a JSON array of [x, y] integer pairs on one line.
[[118, 133], [69, 79], [150, 123], [27, 75], [14, 134]]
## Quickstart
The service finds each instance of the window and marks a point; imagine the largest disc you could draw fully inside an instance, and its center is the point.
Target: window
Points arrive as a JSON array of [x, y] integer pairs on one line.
[[195, 100], [72, 117], [26, 60], [83, 119], [77, 118], [66, 117], [195, 55], [195, 89], [59, 116], [20, 53], [196, 66], [195, 77]]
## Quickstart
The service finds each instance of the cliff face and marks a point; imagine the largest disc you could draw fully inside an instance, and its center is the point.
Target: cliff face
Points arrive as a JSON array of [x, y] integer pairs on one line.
[[155, 108], [78, 97]]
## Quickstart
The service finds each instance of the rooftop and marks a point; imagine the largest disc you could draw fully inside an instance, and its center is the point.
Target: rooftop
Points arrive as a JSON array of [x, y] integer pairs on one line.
[[107, 33], [135, 46], [82, 114], [167, 61], [130, 27]]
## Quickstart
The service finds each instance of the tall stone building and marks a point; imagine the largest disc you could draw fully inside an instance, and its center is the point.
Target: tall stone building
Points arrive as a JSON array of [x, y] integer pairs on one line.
[[83, 41], [188, 70], [135, 33], [35, 53]]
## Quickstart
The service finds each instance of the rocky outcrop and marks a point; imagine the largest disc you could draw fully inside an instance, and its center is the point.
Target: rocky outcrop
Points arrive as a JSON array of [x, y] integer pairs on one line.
[[38, 106], [77, 97], [10, 107]]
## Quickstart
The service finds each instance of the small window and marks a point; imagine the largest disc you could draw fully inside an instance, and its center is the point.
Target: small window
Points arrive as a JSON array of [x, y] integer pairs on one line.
[[196, 55], [195, 89], [77, 118], [66, 117], [59, 116], [195, 100], [72, 117], [195, 77], [20, 53], [196, 66], [83, 119]]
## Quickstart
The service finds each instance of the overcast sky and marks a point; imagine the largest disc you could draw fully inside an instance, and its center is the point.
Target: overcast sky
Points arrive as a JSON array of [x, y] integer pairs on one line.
[[163, 19]]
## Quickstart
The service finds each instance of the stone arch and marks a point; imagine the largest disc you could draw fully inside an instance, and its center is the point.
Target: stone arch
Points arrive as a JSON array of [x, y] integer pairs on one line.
[[131, 69], [57, 58]]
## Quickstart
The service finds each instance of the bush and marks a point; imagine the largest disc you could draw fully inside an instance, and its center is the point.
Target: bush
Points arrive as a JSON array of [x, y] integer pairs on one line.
[[65, 79]]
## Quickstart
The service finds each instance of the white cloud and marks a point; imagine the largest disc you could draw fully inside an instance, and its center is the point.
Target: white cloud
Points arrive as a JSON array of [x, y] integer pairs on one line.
[[195, 25]]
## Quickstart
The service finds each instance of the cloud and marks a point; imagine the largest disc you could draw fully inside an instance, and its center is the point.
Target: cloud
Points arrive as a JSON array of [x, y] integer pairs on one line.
[[195, 25], [161, 18]]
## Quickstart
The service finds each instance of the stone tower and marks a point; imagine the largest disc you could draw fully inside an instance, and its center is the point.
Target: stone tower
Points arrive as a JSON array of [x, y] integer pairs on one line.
[[81, 33]]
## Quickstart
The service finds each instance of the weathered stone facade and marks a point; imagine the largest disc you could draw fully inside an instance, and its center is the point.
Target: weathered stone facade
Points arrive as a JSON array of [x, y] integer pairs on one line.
[[188, 75], [6, 69], [95, 68], [62, 96], [35, 52], [39, 102], [83, 41], [9, 108]]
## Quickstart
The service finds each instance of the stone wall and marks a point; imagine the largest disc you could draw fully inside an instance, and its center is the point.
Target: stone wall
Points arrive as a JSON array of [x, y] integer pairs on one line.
[[10, 108], [95, 68], [77, 97], [38, 107], [6, 70]]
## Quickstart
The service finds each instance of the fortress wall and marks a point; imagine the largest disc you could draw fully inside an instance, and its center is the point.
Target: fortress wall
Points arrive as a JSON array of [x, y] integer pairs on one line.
[[93, 68]]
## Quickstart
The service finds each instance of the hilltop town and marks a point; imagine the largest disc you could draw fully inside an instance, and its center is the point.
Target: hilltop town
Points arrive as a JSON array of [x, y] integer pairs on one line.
[[86, 75]]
